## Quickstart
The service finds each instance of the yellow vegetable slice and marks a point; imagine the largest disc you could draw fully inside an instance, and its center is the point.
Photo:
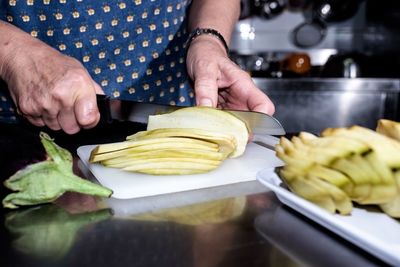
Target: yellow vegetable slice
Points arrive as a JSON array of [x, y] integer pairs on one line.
[[207, 119], [226, 142], [107, 151], [127, 163]]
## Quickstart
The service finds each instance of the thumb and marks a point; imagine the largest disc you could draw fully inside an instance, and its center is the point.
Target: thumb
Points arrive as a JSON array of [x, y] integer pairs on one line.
[[86, 111], [206, 86], [98, 89]]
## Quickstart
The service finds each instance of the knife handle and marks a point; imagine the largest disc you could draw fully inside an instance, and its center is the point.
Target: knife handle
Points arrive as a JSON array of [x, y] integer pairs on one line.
[[103, 104]]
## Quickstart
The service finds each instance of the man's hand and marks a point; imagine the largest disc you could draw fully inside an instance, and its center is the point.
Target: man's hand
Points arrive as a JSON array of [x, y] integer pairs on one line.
[[218, 82], [48, 88]]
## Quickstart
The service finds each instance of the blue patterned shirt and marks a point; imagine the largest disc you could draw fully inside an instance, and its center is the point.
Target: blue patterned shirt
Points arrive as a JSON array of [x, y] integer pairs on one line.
[[134, 49]]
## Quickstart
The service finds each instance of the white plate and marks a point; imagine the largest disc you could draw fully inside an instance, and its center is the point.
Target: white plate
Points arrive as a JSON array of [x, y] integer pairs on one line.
[[372, 231]]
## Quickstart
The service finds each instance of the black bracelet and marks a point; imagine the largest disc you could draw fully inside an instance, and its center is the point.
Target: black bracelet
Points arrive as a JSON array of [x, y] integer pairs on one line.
[[199, 31]]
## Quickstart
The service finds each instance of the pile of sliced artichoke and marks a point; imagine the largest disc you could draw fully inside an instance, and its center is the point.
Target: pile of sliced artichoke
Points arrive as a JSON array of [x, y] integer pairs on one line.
[[345, 165], [187, 141]]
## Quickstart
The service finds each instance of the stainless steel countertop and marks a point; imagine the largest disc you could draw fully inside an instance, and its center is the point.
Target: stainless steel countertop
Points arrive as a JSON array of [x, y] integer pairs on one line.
[[237, 225]]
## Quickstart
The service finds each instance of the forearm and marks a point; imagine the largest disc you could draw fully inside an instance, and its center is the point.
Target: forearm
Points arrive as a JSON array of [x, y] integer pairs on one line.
[[8, 36], [17, 48], [220, 15]]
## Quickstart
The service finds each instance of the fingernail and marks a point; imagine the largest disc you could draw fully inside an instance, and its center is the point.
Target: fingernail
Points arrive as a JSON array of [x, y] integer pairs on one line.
[[206, 102]]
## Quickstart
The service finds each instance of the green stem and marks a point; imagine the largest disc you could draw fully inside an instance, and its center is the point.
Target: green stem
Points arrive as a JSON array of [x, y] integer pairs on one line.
[[77, 184]]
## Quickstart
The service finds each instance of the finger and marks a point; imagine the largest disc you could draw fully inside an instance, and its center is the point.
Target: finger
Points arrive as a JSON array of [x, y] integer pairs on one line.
[[49, 113], [37, 121], [19, 111], [205, 84], [67, 120], [253, 97], [222, 102], [260, 102], [51, 122], [86, 111], [28, 108], [242, 92], [98, 89]]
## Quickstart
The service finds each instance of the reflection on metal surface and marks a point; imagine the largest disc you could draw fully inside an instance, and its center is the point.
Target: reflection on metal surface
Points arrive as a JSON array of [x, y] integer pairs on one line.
[[128, 207], [48, 231], [218, 211], [351, 69], [307, 243]]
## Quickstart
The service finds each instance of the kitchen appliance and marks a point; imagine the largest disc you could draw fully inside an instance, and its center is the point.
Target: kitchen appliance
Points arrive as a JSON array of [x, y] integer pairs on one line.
[[314, 104], [269, 9], [297, 63], [330, 11], [346, 65], [309, 33]]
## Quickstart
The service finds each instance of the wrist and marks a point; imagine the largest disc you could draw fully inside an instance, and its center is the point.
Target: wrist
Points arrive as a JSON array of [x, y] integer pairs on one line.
[[207, 44], [207, 34]]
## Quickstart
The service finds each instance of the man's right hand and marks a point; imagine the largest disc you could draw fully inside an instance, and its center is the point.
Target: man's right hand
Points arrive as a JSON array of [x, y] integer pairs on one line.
[[48, 88]]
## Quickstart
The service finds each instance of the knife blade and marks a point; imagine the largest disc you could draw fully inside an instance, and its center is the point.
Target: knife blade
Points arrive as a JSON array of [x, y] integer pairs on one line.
[[123, 110]]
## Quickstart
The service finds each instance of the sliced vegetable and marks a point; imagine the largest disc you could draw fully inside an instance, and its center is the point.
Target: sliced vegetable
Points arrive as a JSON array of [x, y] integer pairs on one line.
[[187, 141]]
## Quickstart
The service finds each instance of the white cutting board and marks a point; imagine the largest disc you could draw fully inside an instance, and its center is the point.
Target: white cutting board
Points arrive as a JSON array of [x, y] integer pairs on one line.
[[127, 185]]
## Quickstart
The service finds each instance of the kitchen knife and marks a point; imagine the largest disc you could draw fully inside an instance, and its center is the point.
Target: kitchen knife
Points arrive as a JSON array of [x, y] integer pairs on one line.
[[122, 110]]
